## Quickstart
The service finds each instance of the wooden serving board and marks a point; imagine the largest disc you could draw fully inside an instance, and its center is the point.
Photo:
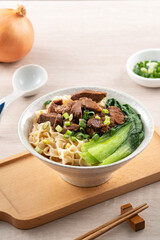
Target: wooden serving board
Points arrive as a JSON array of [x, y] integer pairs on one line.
[[32, 194]]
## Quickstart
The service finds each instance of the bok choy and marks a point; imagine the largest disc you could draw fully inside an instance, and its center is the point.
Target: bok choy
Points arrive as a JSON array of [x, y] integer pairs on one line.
[[119, 142]]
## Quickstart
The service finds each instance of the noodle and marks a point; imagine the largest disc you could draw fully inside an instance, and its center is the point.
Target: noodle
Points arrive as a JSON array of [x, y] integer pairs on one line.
[[54, 145]]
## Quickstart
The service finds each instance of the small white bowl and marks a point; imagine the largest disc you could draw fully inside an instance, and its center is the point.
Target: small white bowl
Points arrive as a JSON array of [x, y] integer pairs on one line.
[[85, 176], [143, 55]]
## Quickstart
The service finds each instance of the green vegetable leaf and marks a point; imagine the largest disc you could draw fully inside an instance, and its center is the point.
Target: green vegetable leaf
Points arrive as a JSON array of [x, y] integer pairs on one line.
[[119, 141], [47, 102]]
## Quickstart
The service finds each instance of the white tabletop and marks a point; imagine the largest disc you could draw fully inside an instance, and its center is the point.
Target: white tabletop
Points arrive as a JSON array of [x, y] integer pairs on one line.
[[86, 43]]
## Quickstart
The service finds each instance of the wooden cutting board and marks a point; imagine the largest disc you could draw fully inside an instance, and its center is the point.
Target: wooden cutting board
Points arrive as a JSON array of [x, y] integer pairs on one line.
[[32, 194]]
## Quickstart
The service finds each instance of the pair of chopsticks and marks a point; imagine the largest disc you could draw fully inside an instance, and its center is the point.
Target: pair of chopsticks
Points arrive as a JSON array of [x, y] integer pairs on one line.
[[111, 224]]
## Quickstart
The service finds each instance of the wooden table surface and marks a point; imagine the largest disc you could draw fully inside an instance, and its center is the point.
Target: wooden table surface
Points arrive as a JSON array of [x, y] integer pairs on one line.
[[86, 43]]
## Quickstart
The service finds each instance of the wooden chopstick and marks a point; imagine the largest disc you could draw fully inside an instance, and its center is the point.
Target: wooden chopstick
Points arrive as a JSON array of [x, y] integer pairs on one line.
[[110, 222], [109, 225]]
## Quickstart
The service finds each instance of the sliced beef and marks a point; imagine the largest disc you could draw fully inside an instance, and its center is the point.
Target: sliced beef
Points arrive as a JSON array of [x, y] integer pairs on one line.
[[85, 103], [96, 96], [54, 105], [58, 102], [104, 129], [112, 121], [58, 120], [73, 127], [77, 109], [100, 128], [54, 118], [97, 125], [63, 109], [90, 131], [57, 107], [69, 104], [88, 103], [93, 125], [116, 115]]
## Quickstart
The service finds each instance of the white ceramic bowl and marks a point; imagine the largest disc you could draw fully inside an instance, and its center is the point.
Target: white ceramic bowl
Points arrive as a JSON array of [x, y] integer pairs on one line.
[[85, 176], [143, 55]]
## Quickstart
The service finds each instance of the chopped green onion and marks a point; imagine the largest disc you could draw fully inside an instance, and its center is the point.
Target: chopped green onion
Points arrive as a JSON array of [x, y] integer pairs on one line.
[[95, 137], [91, 113], [67, 134], [144, 70], [107, 120], [46, 141], [73, 139], [70, 117], [47, 102], [150, 70], [59, 128], [67, 124], [82, 130], [85, 114], [86, 136], [39, 150], [98, 117], [45, 125], [66, 115], [79, 136], [82, 123], [72, 133], [147, 69], [154, 61], [105, 111], [88, 114], [152, 64]]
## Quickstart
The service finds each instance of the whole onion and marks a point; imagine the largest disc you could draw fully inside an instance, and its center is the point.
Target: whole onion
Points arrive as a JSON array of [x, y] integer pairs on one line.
[[16, 34]]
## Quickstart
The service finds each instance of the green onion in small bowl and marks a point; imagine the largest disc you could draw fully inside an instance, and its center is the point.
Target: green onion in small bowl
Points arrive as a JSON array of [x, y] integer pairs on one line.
[[143, 67], [147, 69]]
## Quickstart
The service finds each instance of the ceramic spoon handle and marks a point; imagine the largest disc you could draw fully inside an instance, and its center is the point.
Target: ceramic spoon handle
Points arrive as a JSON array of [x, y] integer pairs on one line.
[[4, 102]]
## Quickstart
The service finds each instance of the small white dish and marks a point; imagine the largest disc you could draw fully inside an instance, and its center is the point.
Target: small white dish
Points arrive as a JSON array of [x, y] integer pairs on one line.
[[143, 55], [76, 175]]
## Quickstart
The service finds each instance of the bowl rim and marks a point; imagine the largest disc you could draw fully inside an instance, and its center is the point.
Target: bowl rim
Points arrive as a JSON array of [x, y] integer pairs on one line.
[[135, 54], [33, 152]]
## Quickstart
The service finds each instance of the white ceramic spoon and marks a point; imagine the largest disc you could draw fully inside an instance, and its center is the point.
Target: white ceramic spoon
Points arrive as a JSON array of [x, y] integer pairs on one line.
[[27, 81]]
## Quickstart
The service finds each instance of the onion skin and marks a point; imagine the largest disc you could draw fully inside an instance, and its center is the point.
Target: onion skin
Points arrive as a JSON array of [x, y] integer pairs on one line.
[[16, 34]]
